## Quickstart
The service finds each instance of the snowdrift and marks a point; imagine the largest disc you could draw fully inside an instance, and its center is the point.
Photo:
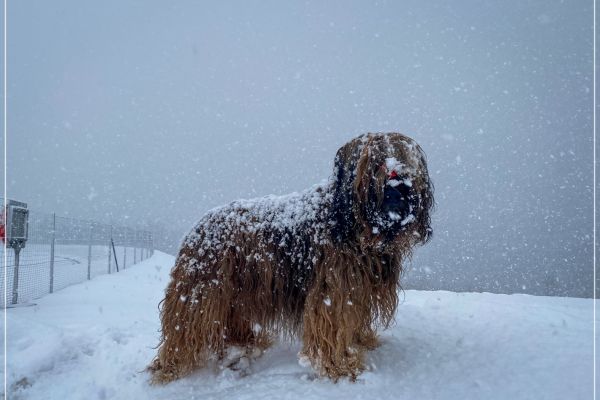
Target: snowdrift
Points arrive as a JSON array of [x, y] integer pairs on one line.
[[94, 340]]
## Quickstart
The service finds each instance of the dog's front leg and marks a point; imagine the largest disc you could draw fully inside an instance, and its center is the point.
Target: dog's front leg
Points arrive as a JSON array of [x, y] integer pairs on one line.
[[334, 320]]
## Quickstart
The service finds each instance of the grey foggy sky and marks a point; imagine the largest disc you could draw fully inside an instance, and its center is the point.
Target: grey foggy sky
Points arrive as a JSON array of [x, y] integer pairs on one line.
[[142, 111]]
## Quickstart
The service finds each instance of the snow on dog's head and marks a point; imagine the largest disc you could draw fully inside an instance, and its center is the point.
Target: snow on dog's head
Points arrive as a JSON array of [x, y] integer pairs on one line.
[[382, 190]]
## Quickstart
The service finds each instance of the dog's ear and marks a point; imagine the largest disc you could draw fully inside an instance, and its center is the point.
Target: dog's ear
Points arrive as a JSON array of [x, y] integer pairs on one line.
[[343, 202], [355, 193], [427, 201]]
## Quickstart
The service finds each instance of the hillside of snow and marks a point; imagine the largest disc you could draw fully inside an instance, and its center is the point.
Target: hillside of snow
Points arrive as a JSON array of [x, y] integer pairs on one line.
[[70, 266], [94, 340]]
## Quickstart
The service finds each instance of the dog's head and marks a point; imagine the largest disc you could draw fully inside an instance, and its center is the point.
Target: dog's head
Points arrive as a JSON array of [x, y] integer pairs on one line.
[[382, 192]]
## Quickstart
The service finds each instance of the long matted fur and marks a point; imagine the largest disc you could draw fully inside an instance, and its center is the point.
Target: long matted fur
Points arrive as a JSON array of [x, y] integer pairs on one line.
[[323, 264]]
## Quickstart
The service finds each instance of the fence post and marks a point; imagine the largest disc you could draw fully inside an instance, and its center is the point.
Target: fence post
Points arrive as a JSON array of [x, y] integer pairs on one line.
[[15, 291], [89, 270], [109, 248], [52, 243], [114, 254], [124, 255]]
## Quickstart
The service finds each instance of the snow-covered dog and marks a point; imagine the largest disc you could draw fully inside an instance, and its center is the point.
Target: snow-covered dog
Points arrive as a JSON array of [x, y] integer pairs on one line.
[[323, 265]]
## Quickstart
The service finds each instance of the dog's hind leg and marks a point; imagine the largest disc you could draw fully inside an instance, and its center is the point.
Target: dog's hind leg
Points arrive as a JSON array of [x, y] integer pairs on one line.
[[180, 349], [193, 317], [247, 330], [244, 342]]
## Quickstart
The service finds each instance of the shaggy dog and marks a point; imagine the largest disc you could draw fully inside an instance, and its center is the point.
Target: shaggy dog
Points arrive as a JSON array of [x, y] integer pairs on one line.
[[323, 265]]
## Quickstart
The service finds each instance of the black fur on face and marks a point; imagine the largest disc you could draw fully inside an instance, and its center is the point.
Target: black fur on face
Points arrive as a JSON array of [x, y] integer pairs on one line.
[[398, 208]]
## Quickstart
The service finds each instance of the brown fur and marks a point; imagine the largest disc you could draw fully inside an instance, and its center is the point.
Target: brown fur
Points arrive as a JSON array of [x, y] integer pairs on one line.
[[241, 279]]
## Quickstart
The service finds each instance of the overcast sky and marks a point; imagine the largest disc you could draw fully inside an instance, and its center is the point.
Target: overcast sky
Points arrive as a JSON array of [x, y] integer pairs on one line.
[[137, 112]]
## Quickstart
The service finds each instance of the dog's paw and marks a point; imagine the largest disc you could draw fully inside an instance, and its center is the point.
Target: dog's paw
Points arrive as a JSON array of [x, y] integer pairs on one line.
[[309, 377], [236, 360], [232, 355], [304, 361]]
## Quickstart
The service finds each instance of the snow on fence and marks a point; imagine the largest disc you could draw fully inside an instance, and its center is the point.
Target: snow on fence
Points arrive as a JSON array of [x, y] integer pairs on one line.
[[63, 251]]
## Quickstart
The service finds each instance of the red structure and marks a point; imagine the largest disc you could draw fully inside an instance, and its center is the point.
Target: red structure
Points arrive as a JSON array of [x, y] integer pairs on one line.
[[2, 223]]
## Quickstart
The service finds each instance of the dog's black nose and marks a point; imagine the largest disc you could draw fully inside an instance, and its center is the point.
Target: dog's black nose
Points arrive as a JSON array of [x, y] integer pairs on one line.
[[396, 205]]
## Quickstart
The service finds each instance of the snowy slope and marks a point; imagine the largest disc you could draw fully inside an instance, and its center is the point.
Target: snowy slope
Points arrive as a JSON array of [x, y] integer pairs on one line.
[[70, 266], [93, 341]]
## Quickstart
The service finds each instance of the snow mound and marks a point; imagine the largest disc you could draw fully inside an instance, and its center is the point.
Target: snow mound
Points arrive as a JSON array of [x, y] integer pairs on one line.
[[94, 340]]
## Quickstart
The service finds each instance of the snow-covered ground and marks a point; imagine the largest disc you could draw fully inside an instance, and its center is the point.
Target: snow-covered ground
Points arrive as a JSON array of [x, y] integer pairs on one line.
[[93, 341], [70, 267]]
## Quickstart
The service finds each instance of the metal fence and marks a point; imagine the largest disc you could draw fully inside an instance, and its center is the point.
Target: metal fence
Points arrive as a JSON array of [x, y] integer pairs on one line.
[[63, 251]]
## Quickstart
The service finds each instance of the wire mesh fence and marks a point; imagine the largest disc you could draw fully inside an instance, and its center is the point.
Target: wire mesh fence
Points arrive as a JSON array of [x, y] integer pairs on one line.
[[63, 251]]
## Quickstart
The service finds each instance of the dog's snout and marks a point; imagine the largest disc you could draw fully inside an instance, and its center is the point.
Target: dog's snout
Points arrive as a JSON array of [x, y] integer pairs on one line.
[[395, 204]]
